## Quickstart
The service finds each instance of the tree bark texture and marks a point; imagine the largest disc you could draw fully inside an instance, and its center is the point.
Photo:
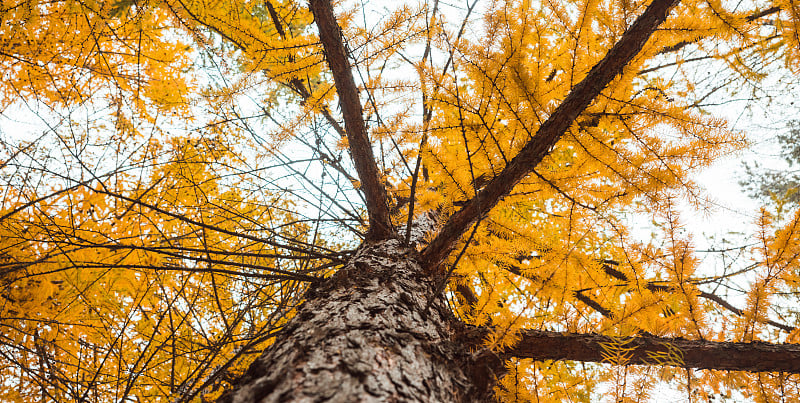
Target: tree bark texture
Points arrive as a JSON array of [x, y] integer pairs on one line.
[[365, 335]]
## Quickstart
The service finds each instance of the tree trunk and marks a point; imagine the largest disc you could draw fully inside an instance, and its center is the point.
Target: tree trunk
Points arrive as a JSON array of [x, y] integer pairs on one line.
[[365, 335]]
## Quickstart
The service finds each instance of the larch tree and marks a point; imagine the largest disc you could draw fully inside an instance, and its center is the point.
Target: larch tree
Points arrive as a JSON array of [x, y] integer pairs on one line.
[[286, 201]]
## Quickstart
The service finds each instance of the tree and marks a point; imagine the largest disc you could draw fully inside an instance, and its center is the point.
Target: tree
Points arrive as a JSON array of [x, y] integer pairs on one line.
[[777, 185], [459, 234]]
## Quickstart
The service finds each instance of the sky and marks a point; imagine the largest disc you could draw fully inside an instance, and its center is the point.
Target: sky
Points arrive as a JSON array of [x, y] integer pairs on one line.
[[733, 213]]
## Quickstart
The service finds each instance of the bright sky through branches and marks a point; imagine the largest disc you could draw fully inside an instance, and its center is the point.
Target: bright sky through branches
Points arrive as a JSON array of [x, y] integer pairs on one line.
[[210, 179]]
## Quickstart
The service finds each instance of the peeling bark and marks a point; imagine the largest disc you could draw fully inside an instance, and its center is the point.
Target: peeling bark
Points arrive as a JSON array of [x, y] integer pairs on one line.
[[364, 335]]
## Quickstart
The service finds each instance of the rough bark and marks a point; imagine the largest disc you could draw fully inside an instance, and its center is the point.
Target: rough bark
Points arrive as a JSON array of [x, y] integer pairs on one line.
[[380, 224], [651, 350], [549, 132], [364, 335]]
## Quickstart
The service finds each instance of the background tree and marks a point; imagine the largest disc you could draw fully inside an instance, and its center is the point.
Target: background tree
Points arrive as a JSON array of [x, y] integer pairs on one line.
[[427, 207], [777, 185]]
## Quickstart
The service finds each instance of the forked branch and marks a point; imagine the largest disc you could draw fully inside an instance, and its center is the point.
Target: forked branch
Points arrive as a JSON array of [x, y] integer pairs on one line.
[[550, 132]]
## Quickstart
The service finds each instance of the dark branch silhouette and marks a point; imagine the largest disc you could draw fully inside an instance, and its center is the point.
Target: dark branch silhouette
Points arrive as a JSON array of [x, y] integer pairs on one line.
[[358, 140], [549, 133], [650, 350]]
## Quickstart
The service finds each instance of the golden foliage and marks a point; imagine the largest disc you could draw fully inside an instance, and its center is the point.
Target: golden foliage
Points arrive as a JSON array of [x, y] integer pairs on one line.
[[191, 179]]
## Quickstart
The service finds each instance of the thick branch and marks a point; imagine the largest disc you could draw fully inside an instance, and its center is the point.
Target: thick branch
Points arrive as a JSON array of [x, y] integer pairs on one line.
[[358, 141], [764, 13], [550, 132], [652, 350]]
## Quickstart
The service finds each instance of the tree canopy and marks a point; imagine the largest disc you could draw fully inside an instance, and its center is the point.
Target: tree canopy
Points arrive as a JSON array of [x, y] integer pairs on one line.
[[177, 173]]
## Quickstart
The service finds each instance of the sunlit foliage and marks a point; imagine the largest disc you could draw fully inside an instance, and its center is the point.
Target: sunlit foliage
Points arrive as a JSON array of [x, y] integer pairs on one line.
[[188, 176]]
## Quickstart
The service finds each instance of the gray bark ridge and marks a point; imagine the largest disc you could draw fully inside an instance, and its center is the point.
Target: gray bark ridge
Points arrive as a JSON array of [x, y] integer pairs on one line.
[[362, 336]]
